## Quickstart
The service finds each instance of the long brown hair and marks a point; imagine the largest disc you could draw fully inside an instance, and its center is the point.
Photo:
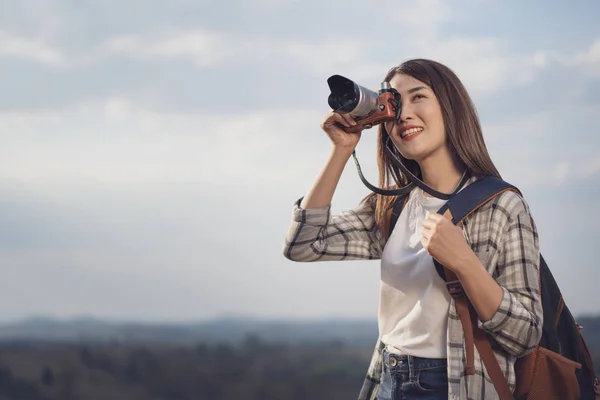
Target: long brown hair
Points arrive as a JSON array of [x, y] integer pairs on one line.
[[461, 124]]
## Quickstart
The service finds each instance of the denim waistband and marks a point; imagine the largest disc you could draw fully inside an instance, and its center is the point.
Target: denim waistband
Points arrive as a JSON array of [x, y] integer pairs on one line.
[[403, 362]]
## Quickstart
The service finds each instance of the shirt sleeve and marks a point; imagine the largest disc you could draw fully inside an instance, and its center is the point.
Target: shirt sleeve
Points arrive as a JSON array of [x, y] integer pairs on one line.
[[517, 323], [317, 235]]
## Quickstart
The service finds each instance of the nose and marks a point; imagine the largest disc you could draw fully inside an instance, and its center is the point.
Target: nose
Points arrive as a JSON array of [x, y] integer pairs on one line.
[[405, 113]]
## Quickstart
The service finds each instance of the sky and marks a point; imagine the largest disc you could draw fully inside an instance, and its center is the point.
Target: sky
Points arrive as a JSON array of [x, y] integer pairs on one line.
[[150, 152]]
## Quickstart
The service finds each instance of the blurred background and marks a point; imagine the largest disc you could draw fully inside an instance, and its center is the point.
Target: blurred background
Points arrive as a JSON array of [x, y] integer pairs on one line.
[[150, 154]]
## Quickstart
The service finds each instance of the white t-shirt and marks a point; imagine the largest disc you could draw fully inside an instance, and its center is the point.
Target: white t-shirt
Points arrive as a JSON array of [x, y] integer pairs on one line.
[[414, 301]]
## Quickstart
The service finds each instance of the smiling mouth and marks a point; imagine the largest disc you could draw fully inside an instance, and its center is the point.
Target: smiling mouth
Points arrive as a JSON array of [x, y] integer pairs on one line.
[[410, 132]]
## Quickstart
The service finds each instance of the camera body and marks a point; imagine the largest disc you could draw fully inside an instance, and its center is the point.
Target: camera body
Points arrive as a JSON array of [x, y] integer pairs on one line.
[[367, 107]]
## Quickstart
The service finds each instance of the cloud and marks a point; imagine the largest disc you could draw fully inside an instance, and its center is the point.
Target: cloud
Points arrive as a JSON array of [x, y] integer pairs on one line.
[[204, 48], [209, 49], [544, 148], [33, 49], [408, 18], [587, 60], [119, 141]]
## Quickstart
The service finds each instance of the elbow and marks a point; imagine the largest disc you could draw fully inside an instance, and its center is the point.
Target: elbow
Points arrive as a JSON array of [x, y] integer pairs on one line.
[[287, 251], [305, 252], [289, 254], [534, 335], [298, 254]]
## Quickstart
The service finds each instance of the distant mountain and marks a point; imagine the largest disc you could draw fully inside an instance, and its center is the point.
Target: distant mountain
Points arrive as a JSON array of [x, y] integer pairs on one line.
[[358, 332], [218, 330]]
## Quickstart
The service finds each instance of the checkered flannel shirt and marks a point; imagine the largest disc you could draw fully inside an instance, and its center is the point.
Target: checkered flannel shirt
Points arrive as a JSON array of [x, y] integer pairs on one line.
[[503, 235]]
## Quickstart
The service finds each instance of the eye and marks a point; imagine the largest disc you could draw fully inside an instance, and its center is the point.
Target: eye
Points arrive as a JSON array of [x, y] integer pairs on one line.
[[418, 96]]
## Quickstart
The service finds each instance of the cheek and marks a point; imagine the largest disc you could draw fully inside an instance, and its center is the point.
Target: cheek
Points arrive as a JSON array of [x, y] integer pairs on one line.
[[433, 117], [434, 120], [397, 142]]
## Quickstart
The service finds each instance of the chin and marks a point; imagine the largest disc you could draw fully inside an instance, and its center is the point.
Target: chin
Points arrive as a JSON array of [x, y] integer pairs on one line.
[[413, 155]]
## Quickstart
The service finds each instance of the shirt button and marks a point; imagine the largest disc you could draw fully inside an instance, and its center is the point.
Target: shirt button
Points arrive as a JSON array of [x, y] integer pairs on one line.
[[392, 361]]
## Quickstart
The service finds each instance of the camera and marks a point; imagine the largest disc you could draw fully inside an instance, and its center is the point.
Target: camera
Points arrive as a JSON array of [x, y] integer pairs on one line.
[[368, 107]]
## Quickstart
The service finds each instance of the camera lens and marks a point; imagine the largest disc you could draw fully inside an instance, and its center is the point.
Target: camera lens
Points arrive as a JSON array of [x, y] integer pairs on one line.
[[349, 98], [344, 96]]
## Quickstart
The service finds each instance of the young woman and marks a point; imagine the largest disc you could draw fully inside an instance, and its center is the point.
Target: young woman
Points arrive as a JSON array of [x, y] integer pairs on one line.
[[494, 252]]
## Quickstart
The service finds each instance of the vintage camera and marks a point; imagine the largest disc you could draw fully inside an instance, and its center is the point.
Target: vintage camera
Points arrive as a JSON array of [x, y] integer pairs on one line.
[[368, 108]]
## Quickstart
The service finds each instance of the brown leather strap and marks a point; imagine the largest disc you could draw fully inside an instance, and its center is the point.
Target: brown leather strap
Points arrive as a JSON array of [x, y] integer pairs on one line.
[[475, 336], [490, 361], [456, 291]]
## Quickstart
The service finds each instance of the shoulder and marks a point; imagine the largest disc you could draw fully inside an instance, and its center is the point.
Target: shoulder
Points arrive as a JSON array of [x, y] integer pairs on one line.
[[506, 205], [505, 220], [510, 204], [497, 216], [504, 208]]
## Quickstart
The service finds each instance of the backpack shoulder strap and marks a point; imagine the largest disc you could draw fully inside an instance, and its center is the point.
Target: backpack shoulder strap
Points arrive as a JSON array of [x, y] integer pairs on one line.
[[473, 196], [457, 208], [469, 200]]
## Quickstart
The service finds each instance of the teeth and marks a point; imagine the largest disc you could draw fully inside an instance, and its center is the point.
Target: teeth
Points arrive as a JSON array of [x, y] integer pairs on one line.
[[411, 131]]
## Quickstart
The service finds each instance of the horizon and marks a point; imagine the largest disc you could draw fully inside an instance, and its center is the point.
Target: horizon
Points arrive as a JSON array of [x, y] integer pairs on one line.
[[216, 318]]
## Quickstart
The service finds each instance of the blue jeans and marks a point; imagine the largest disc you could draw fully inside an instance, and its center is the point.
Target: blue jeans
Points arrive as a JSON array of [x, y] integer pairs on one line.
[[407, 377]]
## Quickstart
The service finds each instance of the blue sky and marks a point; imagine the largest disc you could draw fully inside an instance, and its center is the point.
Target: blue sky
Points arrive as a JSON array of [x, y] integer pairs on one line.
[[151, 151]]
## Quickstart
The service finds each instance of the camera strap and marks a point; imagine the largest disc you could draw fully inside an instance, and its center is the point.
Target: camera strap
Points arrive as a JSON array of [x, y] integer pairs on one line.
[[414, 180], [385, 192]]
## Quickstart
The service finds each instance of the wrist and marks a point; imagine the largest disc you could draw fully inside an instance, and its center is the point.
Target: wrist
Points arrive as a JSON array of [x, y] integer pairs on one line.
[[343, 153], [467, 264]]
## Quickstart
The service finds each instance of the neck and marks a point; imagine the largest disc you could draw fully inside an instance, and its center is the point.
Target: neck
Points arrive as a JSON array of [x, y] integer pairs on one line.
[[442, 174]]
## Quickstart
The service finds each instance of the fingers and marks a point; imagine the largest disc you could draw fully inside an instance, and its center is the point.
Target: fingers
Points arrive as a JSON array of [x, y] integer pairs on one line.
[[425, 242], [430, 222], [433, 216], [428, 228], [344, 120], [349, 120]]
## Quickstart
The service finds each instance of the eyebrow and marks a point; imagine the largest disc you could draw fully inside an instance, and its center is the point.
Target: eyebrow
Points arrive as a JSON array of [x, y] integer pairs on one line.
[[416, 89]]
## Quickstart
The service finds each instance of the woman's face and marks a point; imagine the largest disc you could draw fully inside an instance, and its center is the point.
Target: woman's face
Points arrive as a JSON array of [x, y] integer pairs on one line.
[[419, 133]]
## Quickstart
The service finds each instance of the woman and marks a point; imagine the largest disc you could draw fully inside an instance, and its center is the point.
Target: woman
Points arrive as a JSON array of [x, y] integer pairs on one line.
[[494, 251]]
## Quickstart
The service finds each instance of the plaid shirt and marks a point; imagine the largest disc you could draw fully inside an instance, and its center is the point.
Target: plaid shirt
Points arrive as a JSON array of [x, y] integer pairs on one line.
[[503, 235]]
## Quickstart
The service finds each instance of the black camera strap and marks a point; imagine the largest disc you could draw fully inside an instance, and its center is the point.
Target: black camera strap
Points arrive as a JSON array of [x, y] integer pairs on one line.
[[414, 180], [385, 192]]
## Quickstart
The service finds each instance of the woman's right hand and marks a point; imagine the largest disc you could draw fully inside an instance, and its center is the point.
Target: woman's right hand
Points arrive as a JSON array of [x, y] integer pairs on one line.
[[334, 124]]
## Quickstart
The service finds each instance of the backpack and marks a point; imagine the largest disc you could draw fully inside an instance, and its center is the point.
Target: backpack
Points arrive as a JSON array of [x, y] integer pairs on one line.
[[560, 366]]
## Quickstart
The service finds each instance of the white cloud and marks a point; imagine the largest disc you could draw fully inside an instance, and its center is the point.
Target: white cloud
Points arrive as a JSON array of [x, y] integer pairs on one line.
[[588, 60], [516, 129], [561, 172], [212, 48], [117, 109], [589, 167], [418, 20], [484, 64], [118, 141], [272, 4], [205, 48], [534, 150], [35, 49]]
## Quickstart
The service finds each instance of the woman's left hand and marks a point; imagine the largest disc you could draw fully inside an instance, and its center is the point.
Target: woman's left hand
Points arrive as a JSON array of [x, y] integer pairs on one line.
[[445, 242]]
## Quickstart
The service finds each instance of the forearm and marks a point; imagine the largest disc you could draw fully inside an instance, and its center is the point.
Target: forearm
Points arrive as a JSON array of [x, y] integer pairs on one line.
[[511, 315], [321, 193], [482, 290], [316, 235]]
